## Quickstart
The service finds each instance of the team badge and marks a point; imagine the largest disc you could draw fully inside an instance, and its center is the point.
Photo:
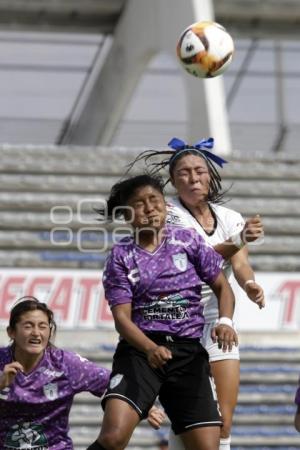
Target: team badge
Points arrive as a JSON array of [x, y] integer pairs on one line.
[[180, 261], [116, 380], [51, 391]]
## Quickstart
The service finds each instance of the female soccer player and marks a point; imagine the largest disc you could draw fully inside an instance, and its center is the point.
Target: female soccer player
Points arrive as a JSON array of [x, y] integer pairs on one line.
[[38, 381], [194, 175], [153, 284]]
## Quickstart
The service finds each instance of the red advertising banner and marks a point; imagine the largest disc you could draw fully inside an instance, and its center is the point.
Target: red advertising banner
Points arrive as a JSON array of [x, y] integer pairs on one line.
[[77, 298]]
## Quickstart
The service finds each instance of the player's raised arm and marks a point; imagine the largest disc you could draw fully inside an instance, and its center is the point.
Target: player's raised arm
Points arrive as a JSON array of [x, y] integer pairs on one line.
[[253, 230]]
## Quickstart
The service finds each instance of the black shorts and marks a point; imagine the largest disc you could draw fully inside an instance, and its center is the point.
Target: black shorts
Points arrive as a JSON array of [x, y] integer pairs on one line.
[[184, 385]]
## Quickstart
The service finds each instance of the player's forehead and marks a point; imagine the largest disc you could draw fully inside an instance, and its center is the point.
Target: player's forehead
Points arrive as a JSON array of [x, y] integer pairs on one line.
[[35, 316], [145, 192], [191, 161]]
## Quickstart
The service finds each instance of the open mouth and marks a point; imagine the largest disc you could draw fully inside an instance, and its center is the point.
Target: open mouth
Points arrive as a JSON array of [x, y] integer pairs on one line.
[[154, 219], [35, 341], [151, 219]]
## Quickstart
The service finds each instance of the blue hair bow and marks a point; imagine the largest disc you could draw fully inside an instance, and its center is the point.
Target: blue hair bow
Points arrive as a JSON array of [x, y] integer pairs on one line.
[[201, 146]]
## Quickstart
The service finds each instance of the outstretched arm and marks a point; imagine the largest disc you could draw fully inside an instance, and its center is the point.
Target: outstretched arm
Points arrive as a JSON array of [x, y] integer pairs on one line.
[[244, 275], [253, 229]]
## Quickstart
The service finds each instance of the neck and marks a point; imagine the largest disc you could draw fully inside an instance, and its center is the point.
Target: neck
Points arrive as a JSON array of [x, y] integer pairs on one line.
[[28, 361], [202, 213], [149, 239], [201, 209]]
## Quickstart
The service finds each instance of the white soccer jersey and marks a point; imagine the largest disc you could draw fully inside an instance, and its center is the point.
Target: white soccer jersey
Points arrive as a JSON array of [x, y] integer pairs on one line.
[[229, 222]]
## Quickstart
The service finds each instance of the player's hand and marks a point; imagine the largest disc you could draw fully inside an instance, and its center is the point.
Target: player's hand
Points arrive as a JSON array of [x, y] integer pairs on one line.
[[253, 229], [156, 416], [255, 293], [9, 373], [158, 356], [225, 336]]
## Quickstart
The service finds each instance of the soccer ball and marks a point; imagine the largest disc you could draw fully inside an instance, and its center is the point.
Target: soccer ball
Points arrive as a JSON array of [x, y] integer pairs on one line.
[[205, 49]]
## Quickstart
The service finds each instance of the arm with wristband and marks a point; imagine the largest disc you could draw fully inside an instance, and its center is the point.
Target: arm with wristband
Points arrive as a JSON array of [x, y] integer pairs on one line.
[[223, 332], [245, 277]]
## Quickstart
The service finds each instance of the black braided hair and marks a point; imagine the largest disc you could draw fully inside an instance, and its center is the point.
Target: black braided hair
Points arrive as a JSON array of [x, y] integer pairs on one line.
[[155, 166]]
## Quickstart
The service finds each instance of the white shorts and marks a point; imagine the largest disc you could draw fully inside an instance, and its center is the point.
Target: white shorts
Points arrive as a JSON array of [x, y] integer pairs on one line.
[[215, 353]]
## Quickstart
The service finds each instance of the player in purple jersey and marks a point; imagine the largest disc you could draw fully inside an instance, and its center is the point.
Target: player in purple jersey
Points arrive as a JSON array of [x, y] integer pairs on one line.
[[38, 382], [193, 173], [297, 415], [152, 282]]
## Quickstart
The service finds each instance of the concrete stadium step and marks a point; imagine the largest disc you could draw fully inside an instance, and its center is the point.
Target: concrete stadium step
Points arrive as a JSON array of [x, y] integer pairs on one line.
[[75, 259], [253, 397], [65, 160], [255, 377], [90, 160], [264, 441], [43, 201], [35, 183], [57, 183], [21, 220], [40, 259], [96, 239], [270, 207]]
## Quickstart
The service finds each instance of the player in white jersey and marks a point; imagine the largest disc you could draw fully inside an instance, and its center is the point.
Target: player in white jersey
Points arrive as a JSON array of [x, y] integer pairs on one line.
[[228, 223], [198, 184]]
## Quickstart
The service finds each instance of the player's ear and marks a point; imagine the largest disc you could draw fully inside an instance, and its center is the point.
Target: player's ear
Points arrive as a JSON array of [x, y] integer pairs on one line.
[[10, 333]]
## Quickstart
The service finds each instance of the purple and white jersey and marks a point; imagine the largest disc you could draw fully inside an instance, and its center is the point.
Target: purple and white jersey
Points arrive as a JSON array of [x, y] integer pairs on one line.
[[34, 409], [164, 287]]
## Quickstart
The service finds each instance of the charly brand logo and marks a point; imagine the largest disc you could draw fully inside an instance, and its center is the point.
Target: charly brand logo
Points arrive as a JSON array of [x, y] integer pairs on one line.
[[26, 436]]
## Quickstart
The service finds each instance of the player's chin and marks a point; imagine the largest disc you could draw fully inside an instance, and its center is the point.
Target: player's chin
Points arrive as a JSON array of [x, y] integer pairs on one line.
[[36, 348]]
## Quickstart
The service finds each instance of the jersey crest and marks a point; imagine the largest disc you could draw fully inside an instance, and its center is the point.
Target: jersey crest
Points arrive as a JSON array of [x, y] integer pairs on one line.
[[180, 261], [116, 380], [51, 391]]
